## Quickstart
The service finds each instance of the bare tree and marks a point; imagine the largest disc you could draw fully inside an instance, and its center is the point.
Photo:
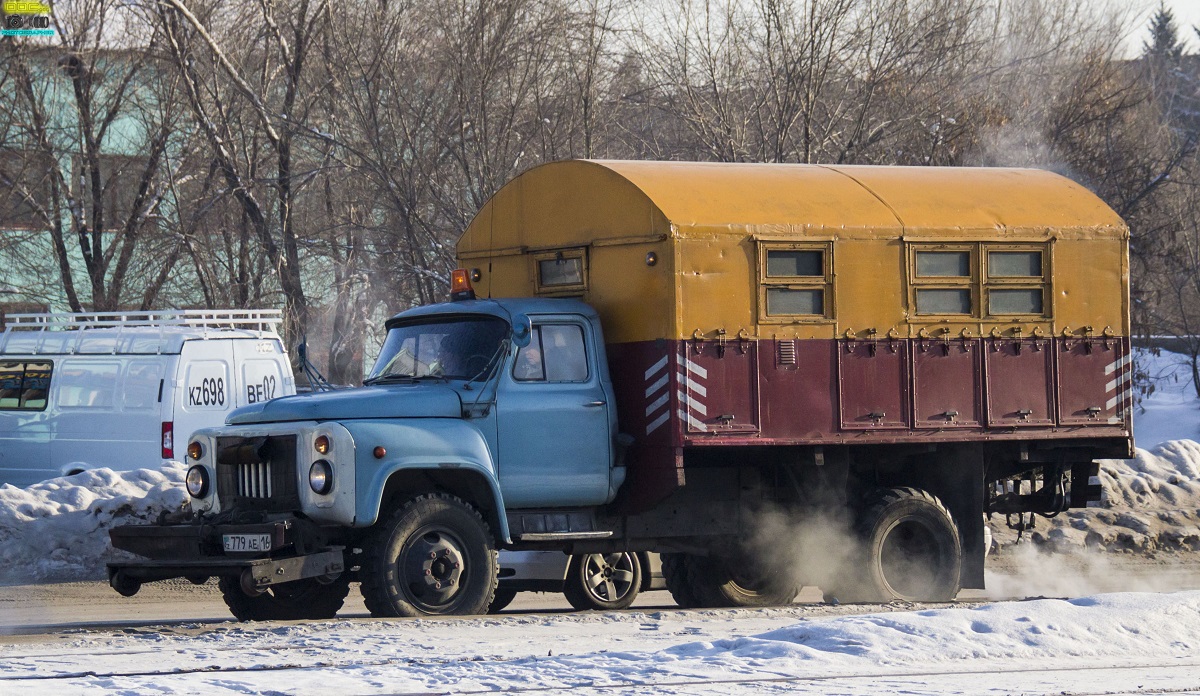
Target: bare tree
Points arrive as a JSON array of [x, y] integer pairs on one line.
[[88, 121]]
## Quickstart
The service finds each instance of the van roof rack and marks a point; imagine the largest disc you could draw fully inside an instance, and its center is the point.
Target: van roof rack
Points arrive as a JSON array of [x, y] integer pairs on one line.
[[67, 331], [250, 319]]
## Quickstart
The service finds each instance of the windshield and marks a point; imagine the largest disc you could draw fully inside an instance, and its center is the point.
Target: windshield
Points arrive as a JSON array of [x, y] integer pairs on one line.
[[451, 348]]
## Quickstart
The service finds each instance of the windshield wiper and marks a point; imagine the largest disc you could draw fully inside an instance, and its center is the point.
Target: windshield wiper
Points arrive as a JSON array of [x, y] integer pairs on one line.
[[389, 379]]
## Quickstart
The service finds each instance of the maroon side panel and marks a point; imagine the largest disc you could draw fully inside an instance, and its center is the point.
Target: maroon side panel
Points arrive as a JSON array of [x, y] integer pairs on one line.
[[873, 384], [1093, 380], [718, 386], [798, 398], [644, 381], [947, 384], [1019, 383]]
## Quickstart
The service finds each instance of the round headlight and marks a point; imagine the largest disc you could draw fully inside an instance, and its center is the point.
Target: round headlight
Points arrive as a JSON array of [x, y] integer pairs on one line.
[[320, 477], [322, 444], [195, 450], [197, 481]]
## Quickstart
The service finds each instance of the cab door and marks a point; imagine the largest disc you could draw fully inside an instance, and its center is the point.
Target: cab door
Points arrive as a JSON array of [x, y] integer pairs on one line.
[[554, 432]]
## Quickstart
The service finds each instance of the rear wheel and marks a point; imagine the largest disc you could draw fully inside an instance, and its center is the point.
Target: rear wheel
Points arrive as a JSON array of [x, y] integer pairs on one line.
[[675, 575], [604, 581], [433, 556], [717, 581], [910, 551], [728, 582], [289, 601]]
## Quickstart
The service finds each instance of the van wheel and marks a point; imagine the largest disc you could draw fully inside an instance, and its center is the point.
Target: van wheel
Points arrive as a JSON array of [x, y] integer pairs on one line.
[[289, 601], [603, 581], [502, 599], [910, 551], [434, 555]]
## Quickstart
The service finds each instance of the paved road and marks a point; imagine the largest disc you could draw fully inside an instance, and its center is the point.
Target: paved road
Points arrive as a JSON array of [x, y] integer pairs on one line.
[[48, 609]]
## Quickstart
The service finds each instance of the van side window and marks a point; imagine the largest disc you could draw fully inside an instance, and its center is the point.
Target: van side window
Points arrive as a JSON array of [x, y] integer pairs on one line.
[[142, 380], [555, 353], [24, 385], [88, 384]]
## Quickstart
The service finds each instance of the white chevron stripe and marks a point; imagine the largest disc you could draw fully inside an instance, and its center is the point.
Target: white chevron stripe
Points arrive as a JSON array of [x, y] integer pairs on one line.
[[1119, 381], [658, 403], [694, 385], [693, 404], [656, 367], [662, 382], [657, 422], [1117, 365], [692, 367], [692, 421]]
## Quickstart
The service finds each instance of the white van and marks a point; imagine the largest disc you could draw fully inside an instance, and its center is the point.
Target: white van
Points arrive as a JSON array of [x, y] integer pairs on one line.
[[120, 390]]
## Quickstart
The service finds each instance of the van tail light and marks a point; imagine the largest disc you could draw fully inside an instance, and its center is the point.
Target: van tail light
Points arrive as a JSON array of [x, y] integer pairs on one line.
[[168, 440]]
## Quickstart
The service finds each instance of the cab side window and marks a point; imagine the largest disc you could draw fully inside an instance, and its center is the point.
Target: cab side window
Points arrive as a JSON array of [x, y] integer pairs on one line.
[[555, 353]]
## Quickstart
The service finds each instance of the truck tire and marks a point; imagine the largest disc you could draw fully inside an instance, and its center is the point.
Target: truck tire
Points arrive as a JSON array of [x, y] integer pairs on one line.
[[603, 581], [910, 551], [722, 582], [675, 575], [502, 599], [434, 555], [289, 601]]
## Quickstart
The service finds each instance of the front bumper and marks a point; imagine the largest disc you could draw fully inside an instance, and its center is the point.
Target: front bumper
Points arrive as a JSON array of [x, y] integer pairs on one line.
[[196, 550]]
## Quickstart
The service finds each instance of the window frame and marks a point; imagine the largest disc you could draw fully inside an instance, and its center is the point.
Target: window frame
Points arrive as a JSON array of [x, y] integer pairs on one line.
[[554, 255], [536, 331], [824, 283], [968, 282], [1042, 282], [979, 283], [24, 377]]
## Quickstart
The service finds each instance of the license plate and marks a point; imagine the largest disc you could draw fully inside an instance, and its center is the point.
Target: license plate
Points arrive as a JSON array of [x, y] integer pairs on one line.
[[247, 542]]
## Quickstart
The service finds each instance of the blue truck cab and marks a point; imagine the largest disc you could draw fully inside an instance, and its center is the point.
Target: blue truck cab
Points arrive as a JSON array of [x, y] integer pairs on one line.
[[484, 423]]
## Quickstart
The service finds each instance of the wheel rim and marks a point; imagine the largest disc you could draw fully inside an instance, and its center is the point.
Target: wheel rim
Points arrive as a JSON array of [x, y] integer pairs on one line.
[[431, 565], [910, 558], [608, 577]]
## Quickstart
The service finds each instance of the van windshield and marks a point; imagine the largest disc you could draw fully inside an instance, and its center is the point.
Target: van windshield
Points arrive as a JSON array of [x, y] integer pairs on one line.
[[450, 348]]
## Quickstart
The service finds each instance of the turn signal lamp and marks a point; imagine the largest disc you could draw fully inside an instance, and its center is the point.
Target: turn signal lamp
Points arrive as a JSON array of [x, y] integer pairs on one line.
[[460, 285], [195, 450], [322, 444]]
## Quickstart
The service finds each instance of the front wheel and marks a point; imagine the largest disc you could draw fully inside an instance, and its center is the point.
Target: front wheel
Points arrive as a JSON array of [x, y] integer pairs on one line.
[[289, 601], [433, 556], [603, 581]]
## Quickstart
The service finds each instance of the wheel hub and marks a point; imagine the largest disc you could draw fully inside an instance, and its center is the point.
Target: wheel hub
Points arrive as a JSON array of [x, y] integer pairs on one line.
[[433, 566]]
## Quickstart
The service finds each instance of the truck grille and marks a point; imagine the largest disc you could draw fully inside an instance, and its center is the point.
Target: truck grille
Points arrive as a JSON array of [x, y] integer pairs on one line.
[[257, 473]]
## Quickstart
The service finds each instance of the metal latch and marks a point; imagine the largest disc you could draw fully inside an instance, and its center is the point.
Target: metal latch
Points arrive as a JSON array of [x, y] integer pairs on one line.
[[1024, 413], [877, 415], [950, 415]]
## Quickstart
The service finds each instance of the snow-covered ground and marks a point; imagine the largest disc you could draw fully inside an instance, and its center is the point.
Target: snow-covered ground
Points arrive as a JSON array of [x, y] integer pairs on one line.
[[1147, 642], [1117, 643]]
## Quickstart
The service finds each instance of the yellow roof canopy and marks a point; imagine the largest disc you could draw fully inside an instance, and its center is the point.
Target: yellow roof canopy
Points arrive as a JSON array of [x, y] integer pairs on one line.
[[583, 201]]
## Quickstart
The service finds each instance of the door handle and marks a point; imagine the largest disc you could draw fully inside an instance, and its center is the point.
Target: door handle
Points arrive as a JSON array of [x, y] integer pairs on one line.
[[593, 404]]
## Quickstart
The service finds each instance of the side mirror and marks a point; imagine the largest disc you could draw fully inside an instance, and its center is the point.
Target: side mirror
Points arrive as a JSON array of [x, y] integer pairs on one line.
[[522, 331]]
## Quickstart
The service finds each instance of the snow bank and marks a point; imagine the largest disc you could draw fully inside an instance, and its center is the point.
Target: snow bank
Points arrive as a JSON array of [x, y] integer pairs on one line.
[[57, 530]]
